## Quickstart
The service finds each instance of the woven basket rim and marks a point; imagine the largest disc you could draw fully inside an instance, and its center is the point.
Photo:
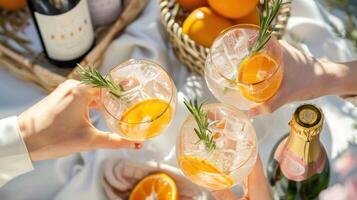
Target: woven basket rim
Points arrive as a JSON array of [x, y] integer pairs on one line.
[[165, 13], [171, 18]]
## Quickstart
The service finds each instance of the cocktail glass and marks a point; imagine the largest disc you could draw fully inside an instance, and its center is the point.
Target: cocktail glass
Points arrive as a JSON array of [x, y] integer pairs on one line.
[[147, 104], [234, 156], [238, 77]]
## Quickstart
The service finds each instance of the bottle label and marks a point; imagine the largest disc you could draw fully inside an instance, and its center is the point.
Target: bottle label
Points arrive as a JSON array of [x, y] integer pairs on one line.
[[69, 35], [294, 167], [104, 11]]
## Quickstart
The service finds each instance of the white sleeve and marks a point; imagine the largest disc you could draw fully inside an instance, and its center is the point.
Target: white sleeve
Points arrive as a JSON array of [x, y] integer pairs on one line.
[[14, 157]]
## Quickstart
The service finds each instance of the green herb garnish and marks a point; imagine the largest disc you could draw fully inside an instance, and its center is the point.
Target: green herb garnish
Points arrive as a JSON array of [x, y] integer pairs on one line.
[[266, 20], [90, 76], [201, 117]]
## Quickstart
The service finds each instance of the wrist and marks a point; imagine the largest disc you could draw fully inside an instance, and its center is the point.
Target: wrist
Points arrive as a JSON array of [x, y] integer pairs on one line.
[[331, 78], [25, 132], [347, 81]]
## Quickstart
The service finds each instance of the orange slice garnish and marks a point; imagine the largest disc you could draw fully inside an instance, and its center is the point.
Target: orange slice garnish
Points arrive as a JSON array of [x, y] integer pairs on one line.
[[204, 173], [157, 186], [155, 113], [256, 71]]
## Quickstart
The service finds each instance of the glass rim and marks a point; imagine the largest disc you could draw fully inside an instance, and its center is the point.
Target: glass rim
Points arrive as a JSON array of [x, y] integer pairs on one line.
[[128, 63], [242, 26]]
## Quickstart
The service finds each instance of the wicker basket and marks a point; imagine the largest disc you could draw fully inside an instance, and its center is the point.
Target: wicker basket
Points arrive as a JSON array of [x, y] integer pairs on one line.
[[30, 69], [190, 53]]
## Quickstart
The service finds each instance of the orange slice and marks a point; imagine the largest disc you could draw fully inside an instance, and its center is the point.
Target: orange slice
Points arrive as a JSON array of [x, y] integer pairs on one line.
[[204, 173], [256, 70], [157, 186], [146, 119]]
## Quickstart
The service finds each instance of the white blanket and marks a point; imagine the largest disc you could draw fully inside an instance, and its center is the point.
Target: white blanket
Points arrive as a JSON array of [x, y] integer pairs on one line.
[[78, 176]]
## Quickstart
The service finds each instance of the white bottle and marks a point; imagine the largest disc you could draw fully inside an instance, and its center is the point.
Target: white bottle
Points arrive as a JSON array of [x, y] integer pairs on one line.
[[104, 11]]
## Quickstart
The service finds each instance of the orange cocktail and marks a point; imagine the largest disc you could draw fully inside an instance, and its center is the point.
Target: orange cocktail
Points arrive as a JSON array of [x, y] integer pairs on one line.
[[239, 77], [147, 103], [156, 112], [222, 155]]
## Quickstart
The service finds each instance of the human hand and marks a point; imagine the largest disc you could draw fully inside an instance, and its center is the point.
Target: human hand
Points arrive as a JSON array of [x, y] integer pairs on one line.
[[257, 186], [59, 124], [305, 78]]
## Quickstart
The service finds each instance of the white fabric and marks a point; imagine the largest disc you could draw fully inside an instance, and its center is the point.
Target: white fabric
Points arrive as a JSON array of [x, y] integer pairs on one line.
[[308, 30], [121, 175], [78, 176], [14, 158]]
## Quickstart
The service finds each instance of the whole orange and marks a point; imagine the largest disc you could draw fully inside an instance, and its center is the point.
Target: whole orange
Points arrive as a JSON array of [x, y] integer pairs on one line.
[[12, 4], [203, 25], [252, 18], [233, 8], [192, 4]]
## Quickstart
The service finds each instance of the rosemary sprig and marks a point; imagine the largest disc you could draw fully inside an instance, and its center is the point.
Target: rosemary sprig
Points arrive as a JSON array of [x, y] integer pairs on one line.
[[90, 76], [266, 20], [201, 117]]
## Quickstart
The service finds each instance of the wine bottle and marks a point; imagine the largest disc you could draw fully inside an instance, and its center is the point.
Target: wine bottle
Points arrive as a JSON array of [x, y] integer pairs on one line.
[[65, 29], [298, 167], [104, 11]]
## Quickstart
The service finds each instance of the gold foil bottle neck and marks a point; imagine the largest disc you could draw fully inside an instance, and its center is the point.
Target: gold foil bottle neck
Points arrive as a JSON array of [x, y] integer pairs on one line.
[[307, 121]]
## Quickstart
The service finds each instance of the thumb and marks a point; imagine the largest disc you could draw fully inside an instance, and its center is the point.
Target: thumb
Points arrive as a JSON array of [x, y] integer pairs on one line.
[[113, 140]]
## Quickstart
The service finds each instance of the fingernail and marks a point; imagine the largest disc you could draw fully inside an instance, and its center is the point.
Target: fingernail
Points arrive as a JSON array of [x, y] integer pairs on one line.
[[137, 145]]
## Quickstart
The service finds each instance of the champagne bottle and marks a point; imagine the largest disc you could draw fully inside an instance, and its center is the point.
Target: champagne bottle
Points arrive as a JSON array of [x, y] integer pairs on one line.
[[298, 167], [65, 29]]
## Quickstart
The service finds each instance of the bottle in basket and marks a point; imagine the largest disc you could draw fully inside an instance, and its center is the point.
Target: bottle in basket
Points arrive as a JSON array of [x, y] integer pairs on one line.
[[65, 29]]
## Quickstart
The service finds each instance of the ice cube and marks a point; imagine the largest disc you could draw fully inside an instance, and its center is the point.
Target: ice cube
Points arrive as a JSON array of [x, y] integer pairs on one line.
[[217, 126], [129, 83], [235, 128], [230, 144], [251, 36], [221, 114], [244, 145], [244, 153], [223, 159], [155, 89], [229, 41], [241, 45], [149, 72], [229, 45]]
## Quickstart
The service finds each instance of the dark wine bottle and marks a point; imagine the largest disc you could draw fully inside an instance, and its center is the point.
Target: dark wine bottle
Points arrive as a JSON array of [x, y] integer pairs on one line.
[[65, 29], [298, 167]]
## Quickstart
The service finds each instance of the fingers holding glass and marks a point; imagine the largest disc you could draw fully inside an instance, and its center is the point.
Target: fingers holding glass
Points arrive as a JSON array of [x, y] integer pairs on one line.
[[147, 102]]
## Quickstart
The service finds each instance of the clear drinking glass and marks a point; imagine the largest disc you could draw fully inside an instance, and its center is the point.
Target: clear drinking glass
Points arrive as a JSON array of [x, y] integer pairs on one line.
[[147, 105], [232, 159], [239, 78]]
